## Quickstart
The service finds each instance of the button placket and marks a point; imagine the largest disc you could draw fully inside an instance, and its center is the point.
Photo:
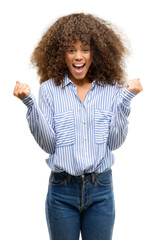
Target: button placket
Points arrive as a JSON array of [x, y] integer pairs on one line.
[[74, 88], [85, 135], [85, 141], [90, 93]]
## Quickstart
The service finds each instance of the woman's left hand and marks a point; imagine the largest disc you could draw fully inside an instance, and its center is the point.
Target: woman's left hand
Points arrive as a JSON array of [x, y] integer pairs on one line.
[[135, 85]]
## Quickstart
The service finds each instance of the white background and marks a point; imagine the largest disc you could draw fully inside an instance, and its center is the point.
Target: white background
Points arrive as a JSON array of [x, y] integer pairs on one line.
[[23, 171]]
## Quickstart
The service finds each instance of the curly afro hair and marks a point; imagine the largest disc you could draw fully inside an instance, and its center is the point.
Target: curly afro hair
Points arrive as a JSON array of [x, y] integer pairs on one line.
[[107, 49]]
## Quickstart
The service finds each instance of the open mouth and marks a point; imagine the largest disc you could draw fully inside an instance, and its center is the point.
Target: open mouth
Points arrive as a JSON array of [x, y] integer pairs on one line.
[[79, 67]]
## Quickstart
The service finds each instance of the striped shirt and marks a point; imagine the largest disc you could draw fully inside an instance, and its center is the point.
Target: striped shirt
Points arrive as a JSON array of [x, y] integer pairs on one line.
[[79, 136]]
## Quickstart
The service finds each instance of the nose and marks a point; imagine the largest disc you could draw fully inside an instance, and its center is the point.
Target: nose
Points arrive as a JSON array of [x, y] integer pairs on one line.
[[78, 56]]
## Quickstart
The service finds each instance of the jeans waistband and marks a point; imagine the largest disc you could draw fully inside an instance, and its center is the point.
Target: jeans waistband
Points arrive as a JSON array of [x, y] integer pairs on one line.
[[66, 175]]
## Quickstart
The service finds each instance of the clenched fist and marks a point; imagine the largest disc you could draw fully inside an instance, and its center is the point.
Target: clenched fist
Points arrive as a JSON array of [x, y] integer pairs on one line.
[[135, 86], [21, 90]]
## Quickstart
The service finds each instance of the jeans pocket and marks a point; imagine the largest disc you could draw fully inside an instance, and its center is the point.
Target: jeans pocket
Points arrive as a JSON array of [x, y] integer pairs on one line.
[[104, 179], [64, 128], [102, 123], [57, 179]]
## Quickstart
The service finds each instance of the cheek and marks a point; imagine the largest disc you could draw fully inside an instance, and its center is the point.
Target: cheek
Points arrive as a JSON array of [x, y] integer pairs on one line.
[[89, 61], [68, 61]]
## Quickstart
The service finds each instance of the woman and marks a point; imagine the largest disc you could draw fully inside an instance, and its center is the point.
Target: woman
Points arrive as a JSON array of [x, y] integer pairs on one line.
[[81, 118]]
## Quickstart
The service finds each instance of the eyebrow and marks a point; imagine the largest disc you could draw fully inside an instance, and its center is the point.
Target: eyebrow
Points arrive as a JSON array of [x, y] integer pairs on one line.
[[83, 45]]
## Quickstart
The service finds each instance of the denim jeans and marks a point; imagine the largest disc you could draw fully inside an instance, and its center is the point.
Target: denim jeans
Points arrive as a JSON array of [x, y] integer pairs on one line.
[[83, 204]]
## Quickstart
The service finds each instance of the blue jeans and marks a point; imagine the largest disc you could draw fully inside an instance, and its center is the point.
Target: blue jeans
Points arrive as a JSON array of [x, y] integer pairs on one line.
[[80, 203]]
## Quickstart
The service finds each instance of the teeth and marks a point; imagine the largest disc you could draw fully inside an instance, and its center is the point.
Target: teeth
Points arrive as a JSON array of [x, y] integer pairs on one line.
[[78, 65]]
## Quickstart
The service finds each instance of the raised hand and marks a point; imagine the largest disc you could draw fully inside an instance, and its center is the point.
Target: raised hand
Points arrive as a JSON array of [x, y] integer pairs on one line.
[[21, 90], [135, 85]]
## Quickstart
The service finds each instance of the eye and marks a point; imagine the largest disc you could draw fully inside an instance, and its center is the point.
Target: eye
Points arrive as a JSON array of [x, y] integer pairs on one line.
[[85, 50], [71, 50]]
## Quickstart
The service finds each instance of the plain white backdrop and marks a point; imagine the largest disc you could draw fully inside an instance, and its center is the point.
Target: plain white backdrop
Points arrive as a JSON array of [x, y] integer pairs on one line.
[[23, 171]]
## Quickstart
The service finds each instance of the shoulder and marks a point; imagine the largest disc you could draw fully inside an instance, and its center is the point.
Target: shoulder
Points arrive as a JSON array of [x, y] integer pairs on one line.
[[48, 83], [113, 89], [47, 86], [46, 89]]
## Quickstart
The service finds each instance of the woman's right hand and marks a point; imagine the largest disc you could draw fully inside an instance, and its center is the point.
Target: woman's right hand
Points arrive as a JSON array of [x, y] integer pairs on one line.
[[21, 90]]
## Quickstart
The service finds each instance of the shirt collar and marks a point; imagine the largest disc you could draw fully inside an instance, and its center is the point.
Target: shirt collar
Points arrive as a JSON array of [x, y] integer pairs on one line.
[[68, 81]]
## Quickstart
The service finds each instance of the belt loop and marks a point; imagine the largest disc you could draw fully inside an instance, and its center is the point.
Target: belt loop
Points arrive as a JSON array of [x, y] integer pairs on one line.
[[93, 177], [68, 178]]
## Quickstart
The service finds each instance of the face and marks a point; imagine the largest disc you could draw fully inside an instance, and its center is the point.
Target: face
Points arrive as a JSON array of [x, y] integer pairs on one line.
[[78, 60]]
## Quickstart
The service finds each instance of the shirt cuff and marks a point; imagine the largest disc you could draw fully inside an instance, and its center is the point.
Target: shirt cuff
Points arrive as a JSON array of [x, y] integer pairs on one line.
[[127, 94], [29, 100]]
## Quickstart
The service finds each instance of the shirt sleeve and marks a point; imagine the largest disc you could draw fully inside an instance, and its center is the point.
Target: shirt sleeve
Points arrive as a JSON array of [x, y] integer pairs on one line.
[[40, 120], [119, 122]]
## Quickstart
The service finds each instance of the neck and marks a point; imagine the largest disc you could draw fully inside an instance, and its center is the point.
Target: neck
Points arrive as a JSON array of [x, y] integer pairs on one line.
[[79, 82]]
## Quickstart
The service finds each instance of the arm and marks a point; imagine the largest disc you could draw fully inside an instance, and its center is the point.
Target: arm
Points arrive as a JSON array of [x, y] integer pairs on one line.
[[121, 110], [40, 119]]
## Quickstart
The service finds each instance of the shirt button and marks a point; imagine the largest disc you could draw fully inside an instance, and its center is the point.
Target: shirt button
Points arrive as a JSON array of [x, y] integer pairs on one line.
[[124, 92], [85, 138], [83, 106], [86, 154], [89, 93], [84, 122], [30, 99]]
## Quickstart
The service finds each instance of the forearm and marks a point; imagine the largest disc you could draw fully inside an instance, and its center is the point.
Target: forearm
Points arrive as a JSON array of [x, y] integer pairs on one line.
[[39, 125], [119, 121]]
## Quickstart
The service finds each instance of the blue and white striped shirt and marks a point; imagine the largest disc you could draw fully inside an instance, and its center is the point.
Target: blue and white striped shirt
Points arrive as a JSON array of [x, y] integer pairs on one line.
[[79, 137]]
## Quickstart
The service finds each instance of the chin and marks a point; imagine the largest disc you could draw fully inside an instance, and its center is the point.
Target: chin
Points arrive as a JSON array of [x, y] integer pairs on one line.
[[79, 77]]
